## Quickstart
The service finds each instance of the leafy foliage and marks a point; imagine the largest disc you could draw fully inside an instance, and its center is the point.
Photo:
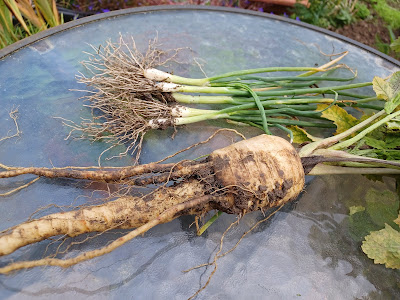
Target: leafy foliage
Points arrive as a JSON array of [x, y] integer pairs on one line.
[[381, 139], [381, 88], [362, 10], [395, 45], [391, 15], [389, 48], [388, 91], [300, 135], [327, 13], [340, 117], [356, 209], [383, 142], [386, 148], [383, 247], [30, 19], [380, 208]]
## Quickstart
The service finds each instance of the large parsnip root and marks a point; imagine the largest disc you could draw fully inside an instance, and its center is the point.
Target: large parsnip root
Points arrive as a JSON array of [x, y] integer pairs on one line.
[[250, 175]]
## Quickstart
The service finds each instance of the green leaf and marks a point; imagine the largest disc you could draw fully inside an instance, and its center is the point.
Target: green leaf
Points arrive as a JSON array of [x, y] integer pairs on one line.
[[25, 6], [381, 88], [392, 154], [396, 45], [382, 206], [374, 177], [360, 225], [341, 118], [48, 11], [377, 144], [388, 91], [356, 209], [391, 105], [393, 140], [12, 4], [300, 135], [394, 83], [383, 247], [393, 125], [6, 24]]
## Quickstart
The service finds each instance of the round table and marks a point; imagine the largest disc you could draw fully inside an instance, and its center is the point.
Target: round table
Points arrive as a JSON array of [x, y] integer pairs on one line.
[[310, 249]]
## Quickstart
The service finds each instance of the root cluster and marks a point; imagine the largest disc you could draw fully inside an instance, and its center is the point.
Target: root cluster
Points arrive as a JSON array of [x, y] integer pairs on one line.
[[120, 121], [121, 99], [117, 68]]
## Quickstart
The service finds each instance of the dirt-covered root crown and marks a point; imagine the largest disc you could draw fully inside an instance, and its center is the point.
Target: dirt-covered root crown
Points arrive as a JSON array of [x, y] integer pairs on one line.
[[258, 173]]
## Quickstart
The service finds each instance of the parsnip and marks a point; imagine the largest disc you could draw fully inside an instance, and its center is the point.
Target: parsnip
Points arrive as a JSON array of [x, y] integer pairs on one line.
[[251, 175]]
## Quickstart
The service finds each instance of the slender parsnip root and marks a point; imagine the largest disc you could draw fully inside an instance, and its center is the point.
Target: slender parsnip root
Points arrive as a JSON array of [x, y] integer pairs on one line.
[[250, 175], [125, 212], [166, 215]]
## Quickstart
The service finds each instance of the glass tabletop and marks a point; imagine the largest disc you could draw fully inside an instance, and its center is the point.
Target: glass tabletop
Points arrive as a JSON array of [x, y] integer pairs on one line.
[[308, 249]]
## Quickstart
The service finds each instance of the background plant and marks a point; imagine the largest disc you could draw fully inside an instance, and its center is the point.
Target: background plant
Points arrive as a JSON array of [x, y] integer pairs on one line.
[[94, 7], [328, 13], [389, 10], [362, 10], [395, 45], [392, 48], [22, 18]]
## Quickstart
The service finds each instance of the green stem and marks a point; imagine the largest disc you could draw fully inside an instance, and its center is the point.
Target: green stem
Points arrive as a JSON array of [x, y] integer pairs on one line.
[[188, 81], [287, 82], [264, 70], [182, 98], [220, 115], [268, 103], [282, 121], [259, 106], [237, 92], [259, 85], [288, 111], [200, 118], [363, 133], [209, 222], [287, 130], [361, 105], [189, 99], [369, 99], [295, 78], [196, 112], [162, 76], [307, 150], [352, 95]]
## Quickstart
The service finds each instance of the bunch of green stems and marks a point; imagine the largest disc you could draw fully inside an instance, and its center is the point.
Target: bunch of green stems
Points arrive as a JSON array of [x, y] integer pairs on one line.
[[127, 94], [266, 101]]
